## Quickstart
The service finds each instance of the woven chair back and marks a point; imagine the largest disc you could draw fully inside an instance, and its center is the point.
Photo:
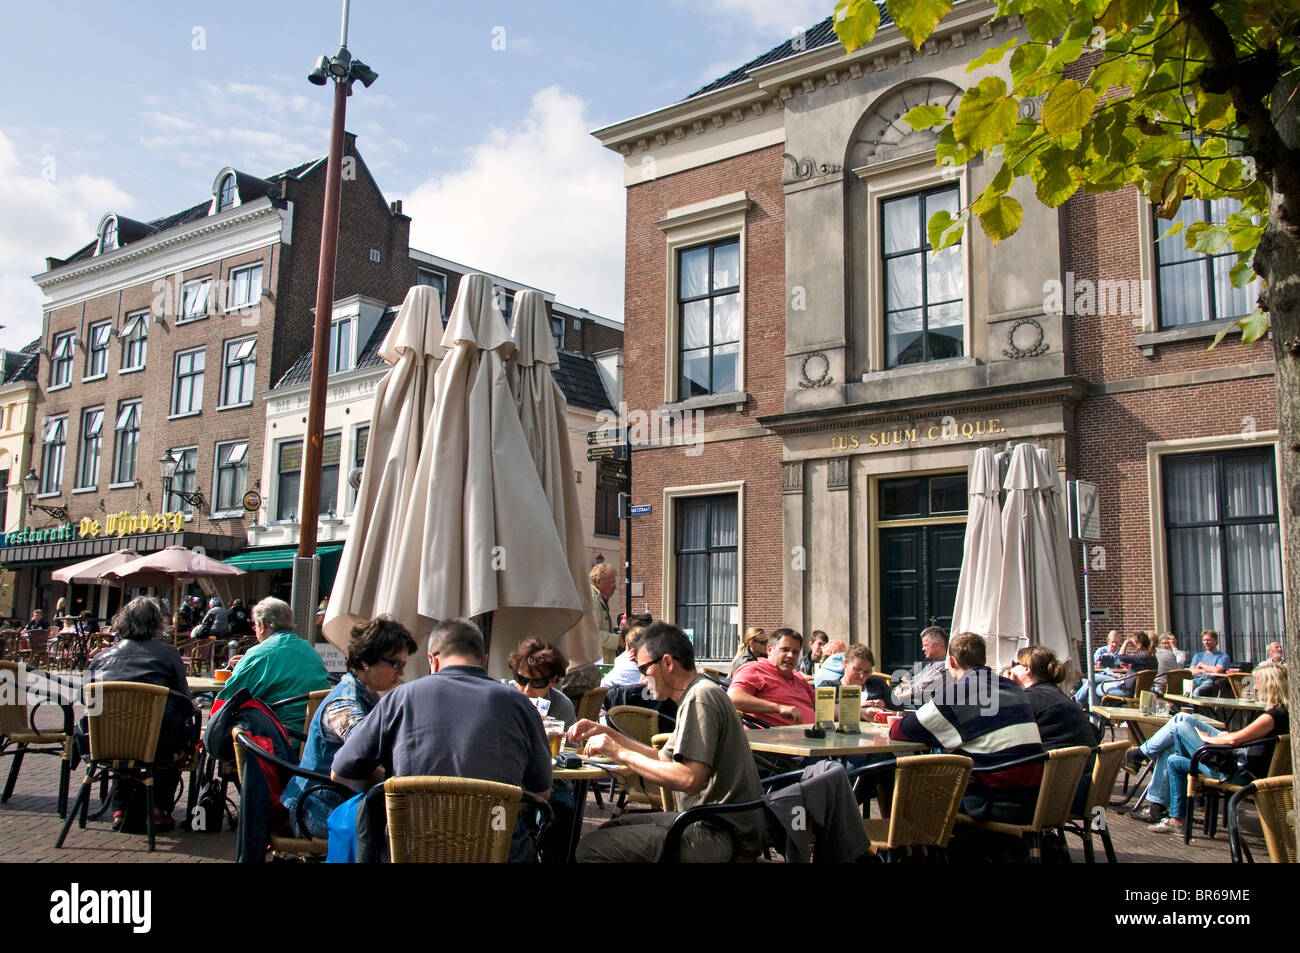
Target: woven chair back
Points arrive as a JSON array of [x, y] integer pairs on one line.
[[13, 700], [927, 797], [1275, 802], [450, 820], [1281, 761], [590, 702], [313, 702], [639, 724], [1061, 777], [125, 719], [1104, 772]]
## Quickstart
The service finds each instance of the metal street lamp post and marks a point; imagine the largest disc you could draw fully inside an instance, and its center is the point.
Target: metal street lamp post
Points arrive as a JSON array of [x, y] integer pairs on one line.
[[31, 486], [343, 70]]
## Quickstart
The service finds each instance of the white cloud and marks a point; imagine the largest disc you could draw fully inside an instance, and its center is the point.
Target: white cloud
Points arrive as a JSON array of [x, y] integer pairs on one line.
[[43, 213], [776, 17], [540, 202]]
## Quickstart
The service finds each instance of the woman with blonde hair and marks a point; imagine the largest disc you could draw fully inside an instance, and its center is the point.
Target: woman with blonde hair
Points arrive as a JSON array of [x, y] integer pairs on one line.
[[752, 648], [1174, 744]]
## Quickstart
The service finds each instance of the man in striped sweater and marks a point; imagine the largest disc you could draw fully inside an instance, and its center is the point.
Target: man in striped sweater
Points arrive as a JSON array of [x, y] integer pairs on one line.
[[986, 718]]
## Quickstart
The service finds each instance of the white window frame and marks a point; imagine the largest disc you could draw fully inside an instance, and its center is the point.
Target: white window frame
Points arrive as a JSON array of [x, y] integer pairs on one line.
[[247, 370], [671, 494], [197, 379], [202, 290], [216, 479], [178, 454], [52, 477], [275, 461], [254, 290], [356, 439], [119, 433], [336, 365], [898, 178], [83, 458], [442, 292], [62, 356], [684, 228], [108, 239], [234, 192], [99, 338], [135, 331]]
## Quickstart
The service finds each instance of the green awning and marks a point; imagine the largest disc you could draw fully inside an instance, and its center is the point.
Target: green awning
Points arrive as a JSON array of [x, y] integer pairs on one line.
[[281, 558]]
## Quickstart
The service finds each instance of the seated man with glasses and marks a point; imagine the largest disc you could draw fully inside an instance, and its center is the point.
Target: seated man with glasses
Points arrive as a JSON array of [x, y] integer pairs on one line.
[[706, 760], [376, 660]]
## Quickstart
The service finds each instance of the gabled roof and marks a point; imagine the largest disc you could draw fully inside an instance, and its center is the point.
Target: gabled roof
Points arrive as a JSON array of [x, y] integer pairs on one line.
[[300, 372], [22, 365], [138, 230], [823, 34]]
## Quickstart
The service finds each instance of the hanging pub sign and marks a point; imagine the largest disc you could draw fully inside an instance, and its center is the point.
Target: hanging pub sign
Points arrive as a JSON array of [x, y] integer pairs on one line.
[[131, 524]]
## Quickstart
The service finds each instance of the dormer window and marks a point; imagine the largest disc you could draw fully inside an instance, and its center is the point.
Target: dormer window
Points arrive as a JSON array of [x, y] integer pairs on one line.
[[107, 236], [226, 193]]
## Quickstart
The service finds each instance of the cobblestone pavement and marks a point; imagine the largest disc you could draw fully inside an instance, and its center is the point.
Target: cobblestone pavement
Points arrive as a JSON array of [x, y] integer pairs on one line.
[[29, 826]]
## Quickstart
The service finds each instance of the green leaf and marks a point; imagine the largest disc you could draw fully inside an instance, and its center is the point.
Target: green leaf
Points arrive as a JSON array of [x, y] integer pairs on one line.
[[1068, 108], [993, 55], [944, 230], [986, 115], [1001, 218], [1025, 60], [1212, 110], [1241, 274], [1063, 53], [1223, 333], [856, 22], [1054, 179], [1207, 238], [1047, 22], [1244, 238], [918, 18], [1173, 229], [923, 117], [1002, 181], [1253, 326]]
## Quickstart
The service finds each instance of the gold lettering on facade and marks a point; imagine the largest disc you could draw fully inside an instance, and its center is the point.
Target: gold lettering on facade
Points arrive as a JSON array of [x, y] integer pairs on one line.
[[955, 430]]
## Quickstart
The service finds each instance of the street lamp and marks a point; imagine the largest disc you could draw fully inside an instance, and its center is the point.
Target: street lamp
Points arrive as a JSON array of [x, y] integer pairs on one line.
[[31, 485], [167, 465], [343, 70]]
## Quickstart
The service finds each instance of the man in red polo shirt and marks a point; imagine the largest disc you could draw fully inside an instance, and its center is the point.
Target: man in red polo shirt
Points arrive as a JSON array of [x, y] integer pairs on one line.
[[770, 689]]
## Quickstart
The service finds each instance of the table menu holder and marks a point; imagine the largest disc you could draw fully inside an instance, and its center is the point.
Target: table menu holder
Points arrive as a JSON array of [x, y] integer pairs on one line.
[[850, 710], [824, 713], [1146, 700]]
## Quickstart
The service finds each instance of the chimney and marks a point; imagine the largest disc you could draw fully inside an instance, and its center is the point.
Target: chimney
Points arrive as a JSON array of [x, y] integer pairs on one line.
[[396, 207]]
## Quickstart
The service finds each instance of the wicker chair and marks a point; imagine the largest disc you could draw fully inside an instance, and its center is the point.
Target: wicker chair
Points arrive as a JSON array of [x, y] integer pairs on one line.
[[643, 725], [452, 820], [1171, 683], [19, 735], [1104, 771], [590, 703], [1236, 684], [313, 702], [281, 843], [927, 795], [37, 654], [1199, 785], [1056, 792], [125, 720], [1275, 802], [1141, 682]]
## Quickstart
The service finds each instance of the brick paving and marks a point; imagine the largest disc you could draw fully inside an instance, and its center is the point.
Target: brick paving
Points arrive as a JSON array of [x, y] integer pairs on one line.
[[29, 826]]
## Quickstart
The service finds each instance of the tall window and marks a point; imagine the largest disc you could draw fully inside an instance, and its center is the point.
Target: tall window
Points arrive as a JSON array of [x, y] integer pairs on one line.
[[361, 441], [135, 340], [226, 195], [232, 475], [54, 443], [61, 360], [108, 236], [289, 480], [187, 390], [331, 454], [194, 299], [924, 315], [97, 353], [1225, 550], [1194, 287], [707, 571], [127, 438], [341, 344], [708, 307], [606, 510], [92, 436], [245, 287], [557, 332], [183, 480], [239, 366], [434, 279]]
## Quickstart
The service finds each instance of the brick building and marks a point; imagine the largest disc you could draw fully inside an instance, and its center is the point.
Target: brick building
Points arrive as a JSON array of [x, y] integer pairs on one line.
[[816, 380], [161, 337]]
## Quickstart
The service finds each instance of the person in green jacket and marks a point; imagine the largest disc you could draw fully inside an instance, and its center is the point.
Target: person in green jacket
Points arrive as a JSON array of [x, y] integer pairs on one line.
[[280, 666]]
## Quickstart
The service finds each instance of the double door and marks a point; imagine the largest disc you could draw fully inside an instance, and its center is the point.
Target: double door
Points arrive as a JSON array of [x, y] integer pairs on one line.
[[919, 566]]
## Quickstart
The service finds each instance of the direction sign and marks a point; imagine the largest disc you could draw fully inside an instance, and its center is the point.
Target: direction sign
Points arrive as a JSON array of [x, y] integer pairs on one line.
[[606, 436], [607, 453], [1085, 513]]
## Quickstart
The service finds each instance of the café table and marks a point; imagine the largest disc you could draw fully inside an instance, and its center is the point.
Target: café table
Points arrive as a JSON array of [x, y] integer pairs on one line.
[[791, 740], [1232, 708], [199, 684], [1141, 726], [591, 770]]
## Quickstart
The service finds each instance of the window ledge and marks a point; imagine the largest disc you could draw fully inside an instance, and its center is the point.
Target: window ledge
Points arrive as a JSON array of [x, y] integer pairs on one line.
[[49, 496], [53, 387], [606, 535], [236, 308], [945, 366], [191, 320], [247, 403], [84, 489], [226, 515], [706, 400], [131, 370], [129, 485], [191, 413], [94, 377], [1187, 332]]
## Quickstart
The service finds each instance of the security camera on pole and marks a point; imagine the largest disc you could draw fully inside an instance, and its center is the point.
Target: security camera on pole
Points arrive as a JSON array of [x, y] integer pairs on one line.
[[343, 70]]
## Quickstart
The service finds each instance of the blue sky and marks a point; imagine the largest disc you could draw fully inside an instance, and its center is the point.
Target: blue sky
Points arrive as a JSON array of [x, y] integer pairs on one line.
[[479, 120]]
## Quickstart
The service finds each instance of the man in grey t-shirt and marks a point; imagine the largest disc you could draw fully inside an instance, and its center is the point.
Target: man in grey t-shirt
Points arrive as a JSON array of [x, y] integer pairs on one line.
[[707, 760]]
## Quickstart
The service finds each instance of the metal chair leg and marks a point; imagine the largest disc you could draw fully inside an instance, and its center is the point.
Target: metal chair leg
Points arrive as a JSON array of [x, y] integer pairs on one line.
[[82, 796], [1106, 843], [13, 772], [148, 806], [1089, 856]]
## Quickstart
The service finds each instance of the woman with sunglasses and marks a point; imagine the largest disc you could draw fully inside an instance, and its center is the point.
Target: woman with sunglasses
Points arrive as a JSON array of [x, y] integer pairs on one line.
[[538, 666], [375, 662], [752, 648]]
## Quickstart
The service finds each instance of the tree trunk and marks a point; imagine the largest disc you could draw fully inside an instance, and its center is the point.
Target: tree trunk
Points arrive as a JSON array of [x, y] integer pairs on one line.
[[1278, 260]]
